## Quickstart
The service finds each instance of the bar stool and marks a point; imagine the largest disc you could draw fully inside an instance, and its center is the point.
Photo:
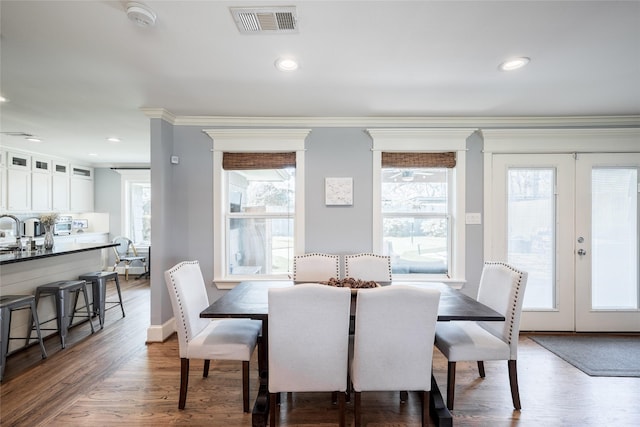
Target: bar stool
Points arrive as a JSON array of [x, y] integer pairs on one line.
[[98, 281], [9, 304], [61, 291]]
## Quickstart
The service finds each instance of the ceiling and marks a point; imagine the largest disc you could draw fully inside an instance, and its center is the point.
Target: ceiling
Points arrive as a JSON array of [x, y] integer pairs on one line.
[[77, 72]]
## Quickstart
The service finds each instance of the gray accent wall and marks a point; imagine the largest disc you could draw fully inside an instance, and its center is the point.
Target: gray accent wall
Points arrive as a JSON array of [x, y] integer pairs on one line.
[[182, 201]]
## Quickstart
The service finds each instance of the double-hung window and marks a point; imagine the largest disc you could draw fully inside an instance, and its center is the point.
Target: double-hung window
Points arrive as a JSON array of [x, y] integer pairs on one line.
[[419, 201], [258, 203], [259, 212], [416, 211]]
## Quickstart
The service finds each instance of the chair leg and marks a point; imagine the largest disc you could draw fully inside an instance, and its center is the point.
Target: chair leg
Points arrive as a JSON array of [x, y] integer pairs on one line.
[[341, 406], [34, 315], [119, 294], [513, 382], [404, 396], [205, 371], [426, 396], [5, 324], [481, 368], [245, 385], [273, 408], [184, 380], [451, 384], [357, 410]]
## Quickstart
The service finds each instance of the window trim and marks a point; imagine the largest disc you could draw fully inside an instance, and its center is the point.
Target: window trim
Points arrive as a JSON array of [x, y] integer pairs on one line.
[[425, 140], [252, 140]]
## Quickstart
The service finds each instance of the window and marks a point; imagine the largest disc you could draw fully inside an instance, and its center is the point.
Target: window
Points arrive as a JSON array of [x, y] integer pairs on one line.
[[260, 216], [258, 203], [136, 206], [419, 201], [416, 219]]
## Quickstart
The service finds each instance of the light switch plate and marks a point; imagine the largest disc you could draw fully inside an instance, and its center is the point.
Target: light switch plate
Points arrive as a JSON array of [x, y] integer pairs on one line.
[[473, 218], [175, 160]]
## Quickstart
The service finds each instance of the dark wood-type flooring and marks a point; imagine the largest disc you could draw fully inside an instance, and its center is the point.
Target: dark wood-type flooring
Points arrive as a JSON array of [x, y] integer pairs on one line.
[[114, 378]]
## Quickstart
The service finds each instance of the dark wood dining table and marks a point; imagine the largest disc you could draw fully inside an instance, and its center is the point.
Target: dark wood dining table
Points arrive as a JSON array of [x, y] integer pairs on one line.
[[249, 299]]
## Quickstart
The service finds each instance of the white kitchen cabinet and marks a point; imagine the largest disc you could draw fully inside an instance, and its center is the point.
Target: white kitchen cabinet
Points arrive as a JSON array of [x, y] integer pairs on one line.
[[18, 182], [60, 187], [40, 192], [81, 189], [40, 184]]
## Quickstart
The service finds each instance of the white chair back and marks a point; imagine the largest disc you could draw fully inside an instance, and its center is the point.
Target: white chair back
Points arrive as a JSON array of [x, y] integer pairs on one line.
[[368, 266], [188, 296], [316, 267], [393, 342], [308, 338], [502, 288]]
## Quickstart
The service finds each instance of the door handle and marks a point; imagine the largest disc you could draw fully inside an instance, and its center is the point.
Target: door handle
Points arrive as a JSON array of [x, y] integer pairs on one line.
[[582, 252]]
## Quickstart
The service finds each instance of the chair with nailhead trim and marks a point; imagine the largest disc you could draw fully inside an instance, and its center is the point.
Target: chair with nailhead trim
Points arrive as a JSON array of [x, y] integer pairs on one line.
[[315, 267], [501, 288], [368, 266]]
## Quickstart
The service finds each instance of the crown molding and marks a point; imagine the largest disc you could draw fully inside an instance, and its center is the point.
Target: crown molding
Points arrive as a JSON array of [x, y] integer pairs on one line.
[[159, 113], [423, 122]]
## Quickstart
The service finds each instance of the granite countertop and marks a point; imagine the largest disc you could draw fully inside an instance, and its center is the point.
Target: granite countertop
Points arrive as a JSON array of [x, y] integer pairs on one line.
[[58, 249]]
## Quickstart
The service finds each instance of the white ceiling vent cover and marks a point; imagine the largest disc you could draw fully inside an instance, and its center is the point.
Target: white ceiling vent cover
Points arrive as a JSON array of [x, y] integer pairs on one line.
[[260, 20]]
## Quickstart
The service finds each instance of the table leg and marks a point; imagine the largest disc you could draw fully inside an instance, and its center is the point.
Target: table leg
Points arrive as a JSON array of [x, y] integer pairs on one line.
[[260, 414], [439, 411]]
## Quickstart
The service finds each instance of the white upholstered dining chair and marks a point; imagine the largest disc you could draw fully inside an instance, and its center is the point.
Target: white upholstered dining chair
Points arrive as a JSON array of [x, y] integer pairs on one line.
[[316, 267], [502, 288], [393, 342], [198, 338], [308, 342], [367, 266]]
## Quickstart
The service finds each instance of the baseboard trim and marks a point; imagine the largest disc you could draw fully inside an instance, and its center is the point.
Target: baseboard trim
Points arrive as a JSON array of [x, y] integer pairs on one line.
[[159, 333]]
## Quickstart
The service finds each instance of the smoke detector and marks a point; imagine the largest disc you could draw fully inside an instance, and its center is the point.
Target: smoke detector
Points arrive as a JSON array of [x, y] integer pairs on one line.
[[141, 14], [260, 20]]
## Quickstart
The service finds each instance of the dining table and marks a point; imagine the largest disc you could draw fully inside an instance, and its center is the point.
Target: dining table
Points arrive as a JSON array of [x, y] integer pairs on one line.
[[249, 299]]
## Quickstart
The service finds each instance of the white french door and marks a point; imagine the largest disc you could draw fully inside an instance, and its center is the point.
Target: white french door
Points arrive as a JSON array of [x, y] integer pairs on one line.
[[571, 222], [533, 215], [607, 290]]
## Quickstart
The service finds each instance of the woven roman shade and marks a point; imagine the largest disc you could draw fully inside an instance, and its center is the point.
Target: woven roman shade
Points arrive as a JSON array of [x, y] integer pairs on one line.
[[245, 161], [418, 160]]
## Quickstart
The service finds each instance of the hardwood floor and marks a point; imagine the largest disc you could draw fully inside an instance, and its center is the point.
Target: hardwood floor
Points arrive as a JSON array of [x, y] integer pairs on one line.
[[114, 378]]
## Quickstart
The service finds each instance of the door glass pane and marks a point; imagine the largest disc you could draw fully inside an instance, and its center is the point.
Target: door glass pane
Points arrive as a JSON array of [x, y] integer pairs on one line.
[[531, 232], [614, 217]]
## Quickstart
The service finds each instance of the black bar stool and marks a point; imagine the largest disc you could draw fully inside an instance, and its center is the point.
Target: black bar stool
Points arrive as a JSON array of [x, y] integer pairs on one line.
[[9, 304], [98, 281], [61, 291]]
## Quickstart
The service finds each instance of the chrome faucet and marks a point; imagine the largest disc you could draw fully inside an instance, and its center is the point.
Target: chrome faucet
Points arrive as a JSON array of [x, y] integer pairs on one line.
[[18, 230]]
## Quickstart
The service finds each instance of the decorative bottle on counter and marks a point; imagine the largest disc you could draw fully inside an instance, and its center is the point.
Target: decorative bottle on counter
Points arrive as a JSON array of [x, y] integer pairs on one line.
[[48, 238]]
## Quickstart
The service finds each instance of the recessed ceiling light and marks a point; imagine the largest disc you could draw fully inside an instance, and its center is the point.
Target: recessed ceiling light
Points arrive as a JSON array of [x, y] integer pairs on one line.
[[514, 63], [286, 64], [93, 154], [33, 139], [113, 139], [3, 99]]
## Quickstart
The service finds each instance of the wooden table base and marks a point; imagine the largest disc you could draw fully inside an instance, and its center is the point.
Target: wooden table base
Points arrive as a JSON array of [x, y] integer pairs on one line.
[[437, 407]]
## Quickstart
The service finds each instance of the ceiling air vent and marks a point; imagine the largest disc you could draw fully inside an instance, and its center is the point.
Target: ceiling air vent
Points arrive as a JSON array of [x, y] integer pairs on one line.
[[260, 20]]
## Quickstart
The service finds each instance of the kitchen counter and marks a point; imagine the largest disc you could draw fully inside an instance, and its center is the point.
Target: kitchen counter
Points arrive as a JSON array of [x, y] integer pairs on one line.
[[22, 272], [58, 249]]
